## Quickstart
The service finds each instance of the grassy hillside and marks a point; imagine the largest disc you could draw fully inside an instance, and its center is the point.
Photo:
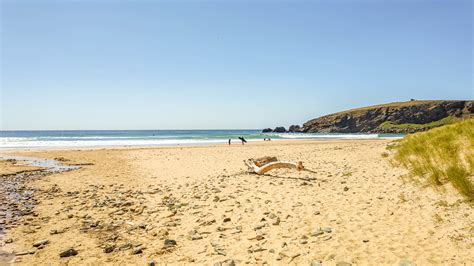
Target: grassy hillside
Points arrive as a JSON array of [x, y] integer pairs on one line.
[[441, 155], [391, 105], [442, 122]]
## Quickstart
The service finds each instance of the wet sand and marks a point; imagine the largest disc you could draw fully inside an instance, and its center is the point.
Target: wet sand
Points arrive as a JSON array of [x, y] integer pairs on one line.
[[197, 205]]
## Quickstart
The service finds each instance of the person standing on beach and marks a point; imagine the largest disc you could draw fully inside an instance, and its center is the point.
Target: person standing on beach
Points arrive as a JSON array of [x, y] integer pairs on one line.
[[243, 140], [229, 142]]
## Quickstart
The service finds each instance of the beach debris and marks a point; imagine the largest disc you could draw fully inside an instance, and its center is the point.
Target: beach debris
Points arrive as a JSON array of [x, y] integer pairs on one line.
[[68, 253], [262, 165]]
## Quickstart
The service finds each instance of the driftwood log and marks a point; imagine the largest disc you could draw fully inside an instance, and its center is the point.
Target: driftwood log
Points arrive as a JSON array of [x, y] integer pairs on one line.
[[259, 166]]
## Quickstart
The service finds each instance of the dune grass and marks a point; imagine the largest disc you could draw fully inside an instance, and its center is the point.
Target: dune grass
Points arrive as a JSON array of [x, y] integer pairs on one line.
[[442, 155]]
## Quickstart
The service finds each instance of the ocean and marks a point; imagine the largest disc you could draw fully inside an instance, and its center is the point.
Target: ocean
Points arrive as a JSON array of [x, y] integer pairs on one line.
[[117, 138]]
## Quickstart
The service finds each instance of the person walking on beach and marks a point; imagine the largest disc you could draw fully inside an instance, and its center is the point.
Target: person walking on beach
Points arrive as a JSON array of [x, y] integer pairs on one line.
[[229, 142], [243, 140]]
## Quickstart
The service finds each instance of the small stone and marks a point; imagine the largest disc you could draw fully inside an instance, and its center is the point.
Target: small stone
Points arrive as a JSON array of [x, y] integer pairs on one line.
[[41, 243], [169, 243], [109, 248], [9, 241], [326, 229], [151, 263], [303, 241], [276, 221], [68, 253], [125, 246], [137, 250], [227, 219], [346, 188], [317, 233], [365, 240], [29, 252], [343, 263], [326, 238], [259, 226], [196, 237], [228, 262]]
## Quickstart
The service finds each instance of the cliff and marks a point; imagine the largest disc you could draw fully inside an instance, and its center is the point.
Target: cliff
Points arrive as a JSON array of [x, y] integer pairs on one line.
[[399, 117]]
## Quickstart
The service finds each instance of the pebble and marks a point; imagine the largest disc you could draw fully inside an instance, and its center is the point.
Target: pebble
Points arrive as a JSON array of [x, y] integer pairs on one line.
[[346, 188], [41, 243], [169, 243], [137, 250], [326, 229], [125, 246], [196, 237], [109, 248], [68, 253], [227, 219], [343, 263], [151, 263], [317, 233], [229, 262]]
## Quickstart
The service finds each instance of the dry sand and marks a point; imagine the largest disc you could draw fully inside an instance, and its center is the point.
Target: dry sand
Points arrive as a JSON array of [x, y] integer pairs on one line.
[[355, 208]]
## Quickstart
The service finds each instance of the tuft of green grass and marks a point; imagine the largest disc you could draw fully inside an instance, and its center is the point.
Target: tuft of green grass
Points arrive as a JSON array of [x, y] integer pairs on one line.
[[385, 154], [445, 121], [441, 155]]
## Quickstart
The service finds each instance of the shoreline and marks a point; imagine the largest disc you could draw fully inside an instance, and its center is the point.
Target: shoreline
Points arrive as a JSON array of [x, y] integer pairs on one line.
[[171, 146]]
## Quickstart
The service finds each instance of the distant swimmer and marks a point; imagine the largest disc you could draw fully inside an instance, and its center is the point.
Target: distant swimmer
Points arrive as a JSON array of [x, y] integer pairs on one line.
[[243, 140], [229, 142]]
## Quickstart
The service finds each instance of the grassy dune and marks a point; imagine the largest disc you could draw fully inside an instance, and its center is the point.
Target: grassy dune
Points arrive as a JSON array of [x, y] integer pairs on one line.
[[442, 155]]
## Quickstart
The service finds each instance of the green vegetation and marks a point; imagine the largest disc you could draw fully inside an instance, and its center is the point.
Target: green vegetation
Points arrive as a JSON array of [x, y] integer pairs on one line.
[[442, 155], [391, 105], [445, 121]]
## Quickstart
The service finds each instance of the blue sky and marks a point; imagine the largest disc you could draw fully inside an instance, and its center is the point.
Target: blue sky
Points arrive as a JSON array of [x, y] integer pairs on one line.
[[224, 64]]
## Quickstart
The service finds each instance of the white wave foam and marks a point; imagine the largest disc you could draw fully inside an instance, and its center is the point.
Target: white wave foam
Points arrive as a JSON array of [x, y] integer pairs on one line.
[[325, 136]]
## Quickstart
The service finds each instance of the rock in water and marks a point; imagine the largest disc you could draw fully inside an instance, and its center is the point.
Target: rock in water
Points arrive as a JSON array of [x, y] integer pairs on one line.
[[68, 253], [294, 128], [279, 130], [267, 130]]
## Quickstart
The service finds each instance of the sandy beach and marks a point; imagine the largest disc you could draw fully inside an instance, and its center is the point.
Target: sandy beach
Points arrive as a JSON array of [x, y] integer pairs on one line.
[[198, 205]]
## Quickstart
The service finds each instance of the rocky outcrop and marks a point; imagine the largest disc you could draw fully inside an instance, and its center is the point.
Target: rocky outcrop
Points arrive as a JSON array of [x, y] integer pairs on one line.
[[267, 130], [375, 118], [294, 128], [280, 130]]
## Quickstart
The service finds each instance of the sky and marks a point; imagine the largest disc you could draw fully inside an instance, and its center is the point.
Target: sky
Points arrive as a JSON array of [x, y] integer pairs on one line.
[[224, 64]]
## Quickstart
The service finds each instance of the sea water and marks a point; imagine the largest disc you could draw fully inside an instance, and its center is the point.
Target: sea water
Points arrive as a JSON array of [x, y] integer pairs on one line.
[[108, 138]]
